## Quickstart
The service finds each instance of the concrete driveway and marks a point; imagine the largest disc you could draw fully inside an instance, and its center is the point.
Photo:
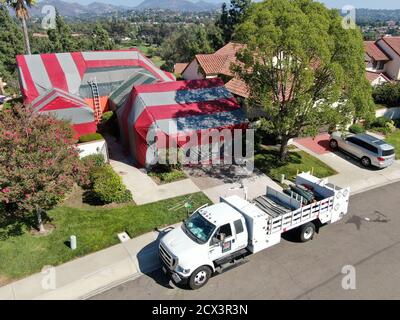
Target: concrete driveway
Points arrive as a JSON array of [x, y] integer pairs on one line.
[[222, 181]]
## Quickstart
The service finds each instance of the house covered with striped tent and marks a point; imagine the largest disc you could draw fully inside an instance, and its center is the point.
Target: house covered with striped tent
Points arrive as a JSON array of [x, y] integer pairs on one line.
[[78, 86], [160, 114]]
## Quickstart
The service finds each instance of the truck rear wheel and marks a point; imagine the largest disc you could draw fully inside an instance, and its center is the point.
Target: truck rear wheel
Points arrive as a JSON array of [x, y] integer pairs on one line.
[[307, 232], [199, 277]]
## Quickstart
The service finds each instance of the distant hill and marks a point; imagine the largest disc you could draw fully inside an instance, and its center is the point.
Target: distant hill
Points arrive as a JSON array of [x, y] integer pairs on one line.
[[178, 5], [74, 9]]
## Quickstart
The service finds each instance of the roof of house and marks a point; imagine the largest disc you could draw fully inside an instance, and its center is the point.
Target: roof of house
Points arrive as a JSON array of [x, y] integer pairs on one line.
[[376, 53], [176, 109], [230, 48], [372, 76], [220, 61], [179, 67], [212, 64], [71, 71], [393, 42], [238, 87]]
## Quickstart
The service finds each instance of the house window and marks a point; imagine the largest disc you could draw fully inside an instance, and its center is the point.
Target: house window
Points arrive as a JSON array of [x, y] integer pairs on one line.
[[374, 64], [380, 65]]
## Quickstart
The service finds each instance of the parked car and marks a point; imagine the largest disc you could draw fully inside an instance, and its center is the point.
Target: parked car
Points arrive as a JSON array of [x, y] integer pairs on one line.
[[370, 150]]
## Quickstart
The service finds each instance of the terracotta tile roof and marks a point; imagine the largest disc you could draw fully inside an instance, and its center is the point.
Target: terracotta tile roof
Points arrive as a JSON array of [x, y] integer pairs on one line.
[[238, 87], [211, 63], [179, 67], [376, 53], [372, 76], [230, 49], [394, 43]]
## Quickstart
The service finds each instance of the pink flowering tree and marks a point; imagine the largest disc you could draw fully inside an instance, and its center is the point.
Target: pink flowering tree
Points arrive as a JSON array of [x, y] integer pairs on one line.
[[38, 163]]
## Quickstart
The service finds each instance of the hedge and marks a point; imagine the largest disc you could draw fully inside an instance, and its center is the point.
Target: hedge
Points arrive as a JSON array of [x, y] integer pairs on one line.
[[356, 129], [90, 137], [94, 160], [107, 186]]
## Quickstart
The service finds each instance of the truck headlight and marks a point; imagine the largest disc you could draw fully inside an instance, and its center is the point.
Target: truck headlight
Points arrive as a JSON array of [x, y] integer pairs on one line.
[[181, 270]]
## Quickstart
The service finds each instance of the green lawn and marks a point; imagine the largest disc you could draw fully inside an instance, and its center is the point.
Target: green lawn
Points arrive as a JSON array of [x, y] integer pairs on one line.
[[298, 161], [394, 140], [95, 228]]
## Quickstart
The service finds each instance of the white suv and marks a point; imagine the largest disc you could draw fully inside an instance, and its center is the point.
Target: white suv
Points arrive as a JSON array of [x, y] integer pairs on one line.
[[369, 150]]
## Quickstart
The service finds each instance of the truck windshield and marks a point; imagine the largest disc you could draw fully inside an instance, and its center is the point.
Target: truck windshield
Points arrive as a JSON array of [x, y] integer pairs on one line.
[[198, 228]]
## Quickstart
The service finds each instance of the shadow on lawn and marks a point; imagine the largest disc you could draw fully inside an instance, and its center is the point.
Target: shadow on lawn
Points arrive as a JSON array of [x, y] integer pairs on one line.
[[11, 226]]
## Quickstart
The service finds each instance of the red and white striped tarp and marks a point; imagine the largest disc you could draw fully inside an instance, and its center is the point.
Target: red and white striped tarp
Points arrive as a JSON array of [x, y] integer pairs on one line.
[[70, 74], [177, 110], [65, 106]]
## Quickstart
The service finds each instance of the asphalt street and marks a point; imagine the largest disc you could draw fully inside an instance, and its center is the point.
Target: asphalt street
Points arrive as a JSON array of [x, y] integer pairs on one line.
[[366, 241]]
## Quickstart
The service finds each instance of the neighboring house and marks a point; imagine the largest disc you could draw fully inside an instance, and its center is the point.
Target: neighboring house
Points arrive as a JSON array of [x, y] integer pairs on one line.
[[217, 64], [382, 59], [179, 67], [391, 46], [376, 78]]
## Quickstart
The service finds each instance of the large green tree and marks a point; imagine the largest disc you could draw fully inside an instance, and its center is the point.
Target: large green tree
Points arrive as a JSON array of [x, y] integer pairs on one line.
[[302, 67], [184, 44], [21, 11], [60, 37], [101, 39], [11, 44], [231, 16]]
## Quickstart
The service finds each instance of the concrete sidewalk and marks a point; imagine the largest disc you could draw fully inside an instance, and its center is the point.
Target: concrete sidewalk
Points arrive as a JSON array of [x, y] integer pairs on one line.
[[86, 276], [352, 174]]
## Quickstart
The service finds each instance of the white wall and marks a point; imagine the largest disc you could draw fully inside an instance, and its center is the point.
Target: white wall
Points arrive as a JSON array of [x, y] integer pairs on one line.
[[192, 71], [93, 147], [392, 67]]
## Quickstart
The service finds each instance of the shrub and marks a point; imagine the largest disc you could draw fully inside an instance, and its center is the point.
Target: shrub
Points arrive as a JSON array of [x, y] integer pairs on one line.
[[379, 122], [106, 116], [90, 137], [94, 160], [356, 129], [107, 186], [383, 125], [387, 94]]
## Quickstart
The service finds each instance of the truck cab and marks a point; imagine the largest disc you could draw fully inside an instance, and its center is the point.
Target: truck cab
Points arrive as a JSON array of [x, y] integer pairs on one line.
[[211, 234]]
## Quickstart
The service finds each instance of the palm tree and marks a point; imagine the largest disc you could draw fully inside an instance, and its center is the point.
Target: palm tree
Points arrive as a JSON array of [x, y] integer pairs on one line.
[[21, 11]]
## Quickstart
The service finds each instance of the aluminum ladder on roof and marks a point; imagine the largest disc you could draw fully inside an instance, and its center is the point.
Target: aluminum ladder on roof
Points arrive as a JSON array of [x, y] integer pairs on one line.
[[96, 99]]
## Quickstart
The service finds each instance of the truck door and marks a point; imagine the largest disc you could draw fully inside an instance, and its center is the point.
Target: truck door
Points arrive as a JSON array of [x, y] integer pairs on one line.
[[219, 249]]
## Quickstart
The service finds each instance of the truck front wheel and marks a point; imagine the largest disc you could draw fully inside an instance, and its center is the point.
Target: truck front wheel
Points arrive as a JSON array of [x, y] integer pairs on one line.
[[307, 232], [199, 277]]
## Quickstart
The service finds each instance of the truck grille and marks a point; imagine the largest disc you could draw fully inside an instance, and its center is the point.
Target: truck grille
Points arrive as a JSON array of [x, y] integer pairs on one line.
[[166, 257]]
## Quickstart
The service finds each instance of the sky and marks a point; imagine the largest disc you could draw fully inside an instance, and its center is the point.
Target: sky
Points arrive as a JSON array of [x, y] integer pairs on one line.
[[373, 4]]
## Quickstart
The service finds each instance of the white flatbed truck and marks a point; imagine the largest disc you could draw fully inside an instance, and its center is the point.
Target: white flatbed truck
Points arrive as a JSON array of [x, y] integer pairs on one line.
[[218, 236]]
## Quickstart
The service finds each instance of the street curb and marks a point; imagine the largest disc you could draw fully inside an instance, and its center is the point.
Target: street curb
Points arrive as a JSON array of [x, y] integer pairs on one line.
[[388, 183], [114, 284]]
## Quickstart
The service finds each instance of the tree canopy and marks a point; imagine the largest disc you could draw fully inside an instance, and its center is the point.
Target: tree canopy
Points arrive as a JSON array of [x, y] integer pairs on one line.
[[302, 67], [184, 44], [38, 163], [11, 44], [231, 16]]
